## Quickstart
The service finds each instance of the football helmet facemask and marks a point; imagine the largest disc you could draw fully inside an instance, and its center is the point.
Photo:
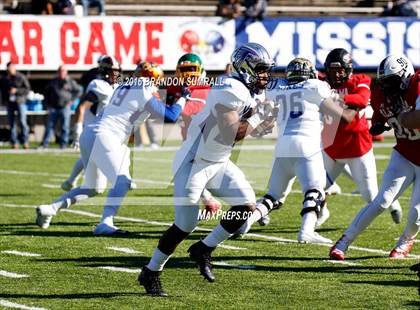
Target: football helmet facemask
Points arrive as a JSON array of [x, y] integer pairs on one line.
[[190, 68], [109, 68], [394, 74], [300, 69], [252, 64]]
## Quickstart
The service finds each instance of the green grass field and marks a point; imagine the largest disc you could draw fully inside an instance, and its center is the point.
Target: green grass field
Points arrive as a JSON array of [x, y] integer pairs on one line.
[[259, 272]]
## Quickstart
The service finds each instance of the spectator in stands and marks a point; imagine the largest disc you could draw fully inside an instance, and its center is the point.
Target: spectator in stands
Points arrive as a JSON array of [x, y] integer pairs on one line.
[[42, 7], [255, 9], [59, 96], [14, 89], [100, 4], [64, 7], [401, 8], [229, 9]]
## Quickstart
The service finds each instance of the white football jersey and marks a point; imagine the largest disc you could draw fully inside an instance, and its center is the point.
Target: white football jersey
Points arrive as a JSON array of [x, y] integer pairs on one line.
[[103, 91], [299, 119], [125, 109], [203, 137]]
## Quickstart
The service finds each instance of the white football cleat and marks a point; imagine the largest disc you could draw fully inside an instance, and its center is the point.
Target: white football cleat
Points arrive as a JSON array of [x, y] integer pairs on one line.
[[103, 229], [44, 215], [325, 214], [264, 221], [334, 189], [133, 185], [314, 237], [67, 186], [154, 146]]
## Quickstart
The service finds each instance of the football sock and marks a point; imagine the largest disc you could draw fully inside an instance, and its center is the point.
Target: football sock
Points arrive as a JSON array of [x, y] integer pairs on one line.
[[158, 260], [75, 173], [308, 222], [216, 237], [260, 211], [395, 206], [206, 195], [363, 220], [71, 197], [413, 224], [115, 197], [167, 245]]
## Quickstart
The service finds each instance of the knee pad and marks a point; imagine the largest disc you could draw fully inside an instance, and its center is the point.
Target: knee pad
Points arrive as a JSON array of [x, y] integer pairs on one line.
[[186, 217], [270, 203], [314, 201]]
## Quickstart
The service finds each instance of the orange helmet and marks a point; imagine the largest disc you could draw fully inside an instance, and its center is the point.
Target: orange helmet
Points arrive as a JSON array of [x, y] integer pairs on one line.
[[149, 70]]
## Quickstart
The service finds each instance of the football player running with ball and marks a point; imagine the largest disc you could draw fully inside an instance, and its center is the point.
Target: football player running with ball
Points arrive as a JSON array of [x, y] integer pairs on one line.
[[395, 102], [352, 142], [303, 100], [104, 150], [203, 161]]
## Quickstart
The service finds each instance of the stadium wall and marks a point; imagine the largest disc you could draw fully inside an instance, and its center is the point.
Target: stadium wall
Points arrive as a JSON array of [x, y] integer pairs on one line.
[[42, 43]]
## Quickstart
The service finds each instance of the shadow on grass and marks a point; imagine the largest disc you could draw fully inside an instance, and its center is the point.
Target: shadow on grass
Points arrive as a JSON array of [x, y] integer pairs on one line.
[[185, 262], [403, 283], [70, 296], [14, 194], [152, 234]]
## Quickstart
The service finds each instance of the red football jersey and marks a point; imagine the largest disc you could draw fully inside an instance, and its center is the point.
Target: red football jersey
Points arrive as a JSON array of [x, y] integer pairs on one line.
[[352, 140], [408, 140], [193, 106]]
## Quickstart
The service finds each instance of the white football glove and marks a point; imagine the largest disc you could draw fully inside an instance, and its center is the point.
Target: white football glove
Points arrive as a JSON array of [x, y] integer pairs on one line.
[[78, 128]]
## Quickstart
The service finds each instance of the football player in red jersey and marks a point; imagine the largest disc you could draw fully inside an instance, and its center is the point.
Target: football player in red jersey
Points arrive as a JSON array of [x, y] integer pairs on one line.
[[351, 144], [397, 98], [190, 70]]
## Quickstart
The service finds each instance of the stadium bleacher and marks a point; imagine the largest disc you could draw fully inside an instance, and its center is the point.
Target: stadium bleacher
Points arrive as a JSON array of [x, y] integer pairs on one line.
[[208, 7], [275, 7]]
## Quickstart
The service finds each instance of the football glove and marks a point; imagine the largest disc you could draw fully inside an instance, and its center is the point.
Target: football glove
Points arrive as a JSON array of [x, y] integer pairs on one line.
[[378, 128], [78, 128]]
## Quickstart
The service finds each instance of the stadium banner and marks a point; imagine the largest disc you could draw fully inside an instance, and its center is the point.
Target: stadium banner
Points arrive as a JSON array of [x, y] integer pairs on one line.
[[45, 42], [368, 39]]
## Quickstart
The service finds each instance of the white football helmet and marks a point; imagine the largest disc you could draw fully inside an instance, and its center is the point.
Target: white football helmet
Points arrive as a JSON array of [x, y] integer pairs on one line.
[[394, 74]]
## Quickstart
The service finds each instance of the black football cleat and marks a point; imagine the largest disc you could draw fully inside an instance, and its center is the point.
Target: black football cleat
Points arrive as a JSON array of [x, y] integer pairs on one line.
[[201, 254], [150, 280]]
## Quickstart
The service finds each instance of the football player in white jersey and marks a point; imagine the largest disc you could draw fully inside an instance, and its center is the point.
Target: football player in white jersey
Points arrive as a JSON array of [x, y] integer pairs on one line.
[[104, 150], [97, 95], [203, 162], [302, 100]]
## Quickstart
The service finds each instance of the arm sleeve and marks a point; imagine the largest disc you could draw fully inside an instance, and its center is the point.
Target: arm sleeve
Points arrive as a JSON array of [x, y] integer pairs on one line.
[[159, 110], [375, 104], [360, 98]]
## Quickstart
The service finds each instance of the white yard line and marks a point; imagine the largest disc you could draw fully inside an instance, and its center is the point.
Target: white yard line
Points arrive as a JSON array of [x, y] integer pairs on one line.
[[8, 274], [231, 247], [260, 236], [44, 174], [50, 185], [224, 264], [13, 252], [120, 269], [124, 250], [9, 304], [342, 262]]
